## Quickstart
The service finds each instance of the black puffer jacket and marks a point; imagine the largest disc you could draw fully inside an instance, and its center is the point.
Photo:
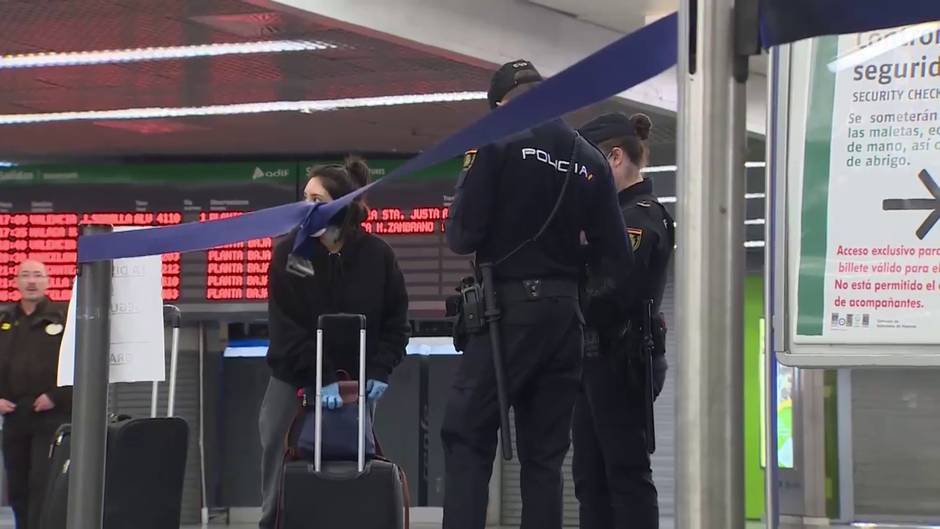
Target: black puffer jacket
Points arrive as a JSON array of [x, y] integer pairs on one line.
[[363, 278]]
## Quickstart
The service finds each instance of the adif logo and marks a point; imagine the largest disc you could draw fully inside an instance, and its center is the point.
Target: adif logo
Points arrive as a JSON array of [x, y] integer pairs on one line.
[[559, 165], [260, 173]]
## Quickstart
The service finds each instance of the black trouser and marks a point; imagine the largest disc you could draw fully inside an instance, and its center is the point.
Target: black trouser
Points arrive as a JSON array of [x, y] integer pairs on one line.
[[613, 478], [541, 344], [27, 437]]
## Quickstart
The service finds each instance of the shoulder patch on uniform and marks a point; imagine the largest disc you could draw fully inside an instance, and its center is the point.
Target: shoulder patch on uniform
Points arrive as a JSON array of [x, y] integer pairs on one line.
[[6, 326], [469, 157], [636, 236]]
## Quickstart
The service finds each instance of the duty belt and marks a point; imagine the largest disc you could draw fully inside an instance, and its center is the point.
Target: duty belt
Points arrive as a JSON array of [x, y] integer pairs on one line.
[[533, 289]]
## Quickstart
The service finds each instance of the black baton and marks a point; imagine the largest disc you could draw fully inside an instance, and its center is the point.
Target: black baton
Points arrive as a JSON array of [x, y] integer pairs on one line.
[[492, 319], [648, 349]]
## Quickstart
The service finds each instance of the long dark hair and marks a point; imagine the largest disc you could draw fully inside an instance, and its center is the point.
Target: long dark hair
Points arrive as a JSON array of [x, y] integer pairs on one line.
[[634, 145], [340, 180]]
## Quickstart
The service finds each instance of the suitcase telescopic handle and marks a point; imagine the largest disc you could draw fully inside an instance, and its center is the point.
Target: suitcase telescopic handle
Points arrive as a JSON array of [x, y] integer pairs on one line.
[[324, 318], [173, 315], [318, 409]]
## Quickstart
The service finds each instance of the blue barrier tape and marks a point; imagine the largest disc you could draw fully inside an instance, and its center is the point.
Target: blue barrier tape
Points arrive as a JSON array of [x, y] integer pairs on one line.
[[194, 236], [627, 62], [784, 21]]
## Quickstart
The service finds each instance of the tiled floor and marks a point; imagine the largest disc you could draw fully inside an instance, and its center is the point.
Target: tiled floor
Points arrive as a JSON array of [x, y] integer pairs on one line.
[[6, 522], [437, 526], [665, 524]]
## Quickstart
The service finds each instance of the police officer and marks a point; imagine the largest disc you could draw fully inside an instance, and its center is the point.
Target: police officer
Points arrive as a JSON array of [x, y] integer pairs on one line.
[[521, 204], [32, 405], [611, 467]]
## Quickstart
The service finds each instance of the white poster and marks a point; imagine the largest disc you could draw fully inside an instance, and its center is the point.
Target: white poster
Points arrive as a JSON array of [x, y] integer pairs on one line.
[[870, 259], [137, 330]]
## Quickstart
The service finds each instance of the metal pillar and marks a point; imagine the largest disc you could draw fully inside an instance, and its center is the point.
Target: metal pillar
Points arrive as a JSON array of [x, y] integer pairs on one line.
[[775, 214], [710, 271], [89, 415]]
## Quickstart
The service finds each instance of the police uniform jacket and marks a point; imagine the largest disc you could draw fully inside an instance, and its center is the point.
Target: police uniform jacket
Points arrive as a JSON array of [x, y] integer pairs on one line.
[[651, 232], [507, 191], [29, 355], [650, 229]]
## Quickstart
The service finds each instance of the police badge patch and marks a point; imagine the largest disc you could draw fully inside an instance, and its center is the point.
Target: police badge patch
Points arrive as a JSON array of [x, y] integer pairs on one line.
[[636, 236], [468, 158], [54, 329]]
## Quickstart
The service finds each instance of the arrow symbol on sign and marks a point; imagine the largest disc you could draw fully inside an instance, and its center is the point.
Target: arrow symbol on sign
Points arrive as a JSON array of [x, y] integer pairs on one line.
[[932, 204]]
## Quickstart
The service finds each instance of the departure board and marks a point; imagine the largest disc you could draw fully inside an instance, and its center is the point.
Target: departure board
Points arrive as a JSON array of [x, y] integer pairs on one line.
[[237, 271], [52, 239], [49, 199], [42, 208]]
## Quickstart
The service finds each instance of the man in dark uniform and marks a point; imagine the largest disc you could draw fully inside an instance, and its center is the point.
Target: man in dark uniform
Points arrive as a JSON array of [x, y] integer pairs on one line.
[[33, 407], [503, 212], [612, 471]]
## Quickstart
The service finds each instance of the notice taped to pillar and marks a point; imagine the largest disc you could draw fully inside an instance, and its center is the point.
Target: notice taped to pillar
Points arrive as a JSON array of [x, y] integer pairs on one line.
[[137, 332], [869, 239]]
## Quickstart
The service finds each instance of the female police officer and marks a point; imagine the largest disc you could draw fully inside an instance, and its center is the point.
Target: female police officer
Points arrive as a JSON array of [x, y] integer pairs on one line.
[[612, 472]]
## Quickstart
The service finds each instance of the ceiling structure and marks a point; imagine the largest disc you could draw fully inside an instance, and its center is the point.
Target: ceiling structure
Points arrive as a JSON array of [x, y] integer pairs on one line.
[[343, 64], [554, 34], [626, 16], [353, 51]]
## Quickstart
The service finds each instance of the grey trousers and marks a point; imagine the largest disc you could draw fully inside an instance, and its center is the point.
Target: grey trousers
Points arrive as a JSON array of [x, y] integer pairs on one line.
[[278, 410]]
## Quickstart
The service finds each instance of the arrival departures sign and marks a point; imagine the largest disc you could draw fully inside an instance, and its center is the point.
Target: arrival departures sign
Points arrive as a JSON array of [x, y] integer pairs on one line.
[[861, 249]]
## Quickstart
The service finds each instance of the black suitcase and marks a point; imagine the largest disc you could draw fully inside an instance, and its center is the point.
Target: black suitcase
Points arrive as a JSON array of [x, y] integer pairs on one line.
[[144, 469], [55, 504], [146, 465], [337, 494], [143, 489]]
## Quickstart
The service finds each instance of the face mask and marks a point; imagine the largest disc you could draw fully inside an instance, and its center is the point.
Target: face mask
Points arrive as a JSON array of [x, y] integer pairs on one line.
[[330, 234]]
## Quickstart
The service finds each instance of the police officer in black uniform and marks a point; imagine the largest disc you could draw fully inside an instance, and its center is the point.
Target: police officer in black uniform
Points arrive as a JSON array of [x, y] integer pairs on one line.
[[612, 471], [503, 212], [32, 405]]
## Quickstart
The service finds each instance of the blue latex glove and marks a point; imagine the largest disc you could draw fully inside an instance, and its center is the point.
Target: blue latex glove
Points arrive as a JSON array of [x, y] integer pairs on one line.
[[330, 397], [375, 389]]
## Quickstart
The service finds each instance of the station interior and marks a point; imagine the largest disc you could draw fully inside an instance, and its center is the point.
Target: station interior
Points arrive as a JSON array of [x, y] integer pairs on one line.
[[203, 136]]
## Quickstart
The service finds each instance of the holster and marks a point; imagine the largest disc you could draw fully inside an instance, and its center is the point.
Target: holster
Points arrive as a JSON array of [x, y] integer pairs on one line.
[[467, 309]]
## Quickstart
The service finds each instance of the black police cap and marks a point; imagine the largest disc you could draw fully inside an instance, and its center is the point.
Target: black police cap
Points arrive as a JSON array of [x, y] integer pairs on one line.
[[607, 126], [509, 76]]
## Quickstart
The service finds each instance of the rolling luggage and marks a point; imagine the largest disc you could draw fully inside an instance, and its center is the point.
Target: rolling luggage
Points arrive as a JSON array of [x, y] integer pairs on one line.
[[144, 474], [146, 461], [364, 494], [55, 504], [144, 471]]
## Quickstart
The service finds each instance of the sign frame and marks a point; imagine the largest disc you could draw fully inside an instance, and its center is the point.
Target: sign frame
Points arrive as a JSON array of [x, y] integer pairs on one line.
[[786, 148]]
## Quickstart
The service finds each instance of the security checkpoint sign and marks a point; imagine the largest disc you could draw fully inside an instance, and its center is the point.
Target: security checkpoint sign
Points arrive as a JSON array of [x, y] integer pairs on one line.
[[137, 351], [869, 247]]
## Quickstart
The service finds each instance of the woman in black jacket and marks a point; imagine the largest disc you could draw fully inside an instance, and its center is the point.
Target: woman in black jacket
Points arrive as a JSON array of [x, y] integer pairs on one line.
[[352, 272]]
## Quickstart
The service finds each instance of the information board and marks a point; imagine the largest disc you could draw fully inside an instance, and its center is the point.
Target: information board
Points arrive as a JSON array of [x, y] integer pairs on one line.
[[42, 207], [51, 201], [862, 199]]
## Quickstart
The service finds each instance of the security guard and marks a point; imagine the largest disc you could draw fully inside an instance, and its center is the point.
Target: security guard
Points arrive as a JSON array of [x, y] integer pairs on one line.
[[612, 471], [521, 204], [33, 407]]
